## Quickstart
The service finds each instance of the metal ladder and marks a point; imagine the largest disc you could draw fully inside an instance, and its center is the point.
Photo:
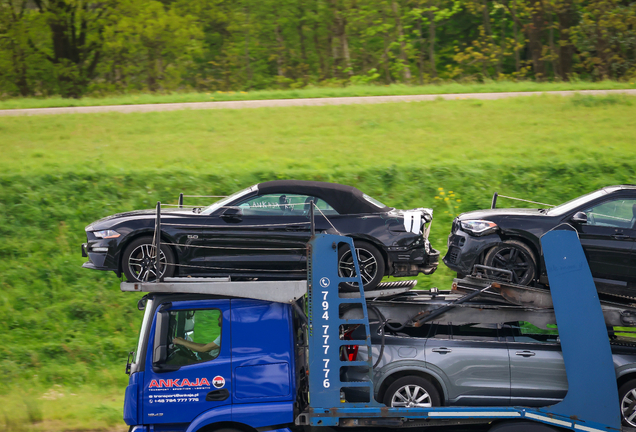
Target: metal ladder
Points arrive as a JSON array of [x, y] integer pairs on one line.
[[324, 304]]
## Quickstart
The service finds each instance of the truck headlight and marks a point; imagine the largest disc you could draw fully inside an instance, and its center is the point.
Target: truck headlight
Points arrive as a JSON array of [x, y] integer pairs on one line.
[[478, 227], [106, 234]]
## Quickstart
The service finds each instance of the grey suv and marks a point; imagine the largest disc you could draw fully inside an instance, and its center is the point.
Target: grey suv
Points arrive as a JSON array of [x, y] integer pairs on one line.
[[515, 363]]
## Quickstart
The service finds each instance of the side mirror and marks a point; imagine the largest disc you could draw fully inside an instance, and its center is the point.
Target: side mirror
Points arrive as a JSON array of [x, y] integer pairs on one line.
[[160, 350], [160, 346], [233, 214], [579, 217]]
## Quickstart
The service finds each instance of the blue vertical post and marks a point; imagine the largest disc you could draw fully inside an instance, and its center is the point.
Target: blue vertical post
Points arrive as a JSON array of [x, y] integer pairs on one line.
[[592, 391]]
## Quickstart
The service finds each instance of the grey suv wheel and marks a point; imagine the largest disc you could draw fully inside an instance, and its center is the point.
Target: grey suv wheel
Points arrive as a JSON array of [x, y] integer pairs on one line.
[[627, 397], [412, 392]]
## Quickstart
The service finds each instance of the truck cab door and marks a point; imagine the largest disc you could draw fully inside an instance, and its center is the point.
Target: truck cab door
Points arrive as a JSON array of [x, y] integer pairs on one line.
[[188, 362]]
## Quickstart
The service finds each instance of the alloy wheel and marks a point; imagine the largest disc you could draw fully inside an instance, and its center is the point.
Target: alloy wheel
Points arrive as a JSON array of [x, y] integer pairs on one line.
[[628, 407], [515, 260], [366, 261], [142, 262], [411, 396]]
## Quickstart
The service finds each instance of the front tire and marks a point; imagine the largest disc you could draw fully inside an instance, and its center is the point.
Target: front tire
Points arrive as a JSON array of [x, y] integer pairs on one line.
[[370, 261], [412, 392], [138, 261], [514, 256], [627, 398]]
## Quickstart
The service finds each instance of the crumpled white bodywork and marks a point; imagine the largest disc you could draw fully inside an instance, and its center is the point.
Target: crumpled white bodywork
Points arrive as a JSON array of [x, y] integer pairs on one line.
[[415, 219]]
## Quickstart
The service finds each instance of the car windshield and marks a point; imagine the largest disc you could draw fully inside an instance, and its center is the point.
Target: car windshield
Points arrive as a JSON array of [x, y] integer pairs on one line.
[[576, 202], [373, 201], [217, 205]]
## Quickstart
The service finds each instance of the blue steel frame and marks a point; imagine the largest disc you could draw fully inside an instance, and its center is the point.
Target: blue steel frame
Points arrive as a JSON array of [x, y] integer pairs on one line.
[[584, 342]]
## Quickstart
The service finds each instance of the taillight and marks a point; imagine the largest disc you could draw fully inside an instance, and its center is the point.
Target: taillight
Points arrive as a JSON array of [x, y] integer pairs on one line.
[[350, 351]]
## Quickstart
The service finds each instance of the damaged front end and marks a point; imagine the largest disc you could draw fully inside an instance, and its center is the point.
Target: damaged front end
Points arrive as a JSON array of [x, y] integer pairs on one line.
[[411, 252]]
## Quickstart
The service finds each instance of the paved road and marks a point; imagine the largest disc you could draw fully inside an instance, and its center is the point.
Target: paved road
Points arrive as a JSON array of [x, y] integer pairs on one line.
[[293, 102]]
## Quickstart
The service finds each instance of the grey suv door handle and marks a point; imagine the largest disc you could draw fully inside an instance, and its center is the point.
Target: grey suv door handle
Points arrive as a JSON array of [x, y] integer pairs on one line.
[[442, 350], [525, 353]]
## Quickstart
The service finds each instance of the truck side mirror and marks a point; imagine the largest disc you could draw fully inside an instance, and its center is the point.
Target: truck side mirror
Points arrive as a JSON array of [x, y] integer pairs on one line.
[[579, 217], [160, 350]]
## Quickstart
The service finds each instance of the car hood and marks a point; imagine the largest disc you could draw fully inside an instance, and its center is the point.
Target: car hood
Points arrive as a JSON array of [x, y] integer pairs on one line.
[[110, 221], [496, 214]]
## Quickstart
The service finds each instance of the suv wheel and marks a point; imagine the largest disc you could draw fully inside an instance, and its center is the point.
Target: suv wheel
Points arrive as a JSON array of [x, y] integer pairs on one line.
[[412, 392], [627, 397], [514, 256]]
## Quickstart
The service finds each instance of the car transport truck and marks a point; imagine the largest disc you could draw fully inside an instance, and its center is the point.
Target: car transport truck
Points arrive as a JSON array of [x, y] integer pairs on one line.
[[279, 355]]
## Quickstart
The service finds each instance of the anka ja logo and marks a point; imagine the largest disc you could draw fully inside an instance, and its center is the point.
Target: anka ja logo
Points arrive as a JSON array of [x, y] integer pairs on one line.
[[169, 383]]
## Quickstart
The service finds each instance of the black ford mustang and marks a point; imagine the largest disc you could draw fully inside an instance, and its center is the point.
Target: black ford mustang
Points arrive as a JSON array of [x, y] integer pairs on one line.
[[262, 232], [509, 239]]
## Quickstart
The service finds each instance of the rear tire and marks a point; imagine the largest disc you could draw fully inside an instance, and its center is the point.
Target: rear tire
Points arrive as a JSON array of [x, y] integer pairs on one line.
[[515, 256], [138, 261], [371, 265]]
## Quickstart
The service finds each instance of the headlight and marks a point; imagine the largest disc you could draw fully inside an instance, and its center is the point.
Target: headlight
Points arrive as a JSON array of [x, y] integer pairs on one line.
[[478, 227], [106, 234]]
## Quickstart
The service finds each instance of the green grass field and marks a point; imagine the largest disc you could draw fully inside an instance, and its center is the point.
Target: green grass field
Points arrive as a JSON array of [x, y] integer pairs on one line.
[[324, 139], [68, 330], [315, 92]]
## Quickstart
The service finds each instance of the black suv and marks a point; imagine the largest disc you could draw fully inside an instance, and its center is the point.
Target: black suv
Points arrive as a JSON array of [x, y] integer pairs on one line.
[[509, 239]]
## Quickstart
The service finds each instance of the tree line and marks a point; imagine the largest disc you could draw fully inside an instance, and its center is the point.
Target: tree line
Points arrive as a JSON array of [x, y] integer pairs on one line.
[[78, 47]]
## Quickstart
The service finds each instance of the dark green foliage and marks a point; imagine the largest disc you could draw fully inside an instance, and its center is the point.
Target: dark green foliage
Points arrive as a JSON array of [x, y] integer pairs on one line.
[[128, 46], [67, 325]]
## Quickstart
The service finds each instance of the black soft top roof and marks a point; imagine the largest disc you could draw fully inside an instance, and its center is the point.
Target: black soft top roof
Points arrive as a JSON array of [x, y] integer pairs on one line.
[[344, 199]]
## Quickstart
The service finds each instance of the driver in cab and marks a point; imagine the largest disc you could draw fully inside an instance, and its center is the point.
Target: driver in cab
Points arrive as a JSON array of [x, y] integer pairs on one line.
[[211, 349]]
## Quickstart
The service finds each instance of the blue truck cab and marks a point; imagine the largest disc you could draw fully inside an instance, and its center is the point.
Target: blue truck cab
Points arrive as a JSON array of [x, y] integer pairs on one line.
[[249, 379], [256, 365]]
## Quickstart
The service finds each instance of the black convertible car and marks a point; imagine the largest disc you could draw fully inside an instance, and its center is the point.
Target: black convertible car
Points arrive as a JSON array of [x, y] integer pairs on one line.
[[261, 232], [509, 239]]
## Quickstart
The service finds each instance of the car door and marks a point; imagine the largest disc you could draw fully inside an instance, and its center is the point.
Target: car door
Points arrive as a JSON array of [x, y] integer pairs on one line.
[[473, 360], [202, 379], [608, 239], [264, 234], [537, 371]]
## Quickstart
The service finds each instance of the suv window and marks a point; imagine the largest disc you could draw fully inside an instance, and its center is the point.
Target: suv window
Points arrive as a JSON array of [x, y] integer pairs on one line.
[[479, 332], [523, 331], [194, 336], [616, 213], [416, 332], [281, 204]]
